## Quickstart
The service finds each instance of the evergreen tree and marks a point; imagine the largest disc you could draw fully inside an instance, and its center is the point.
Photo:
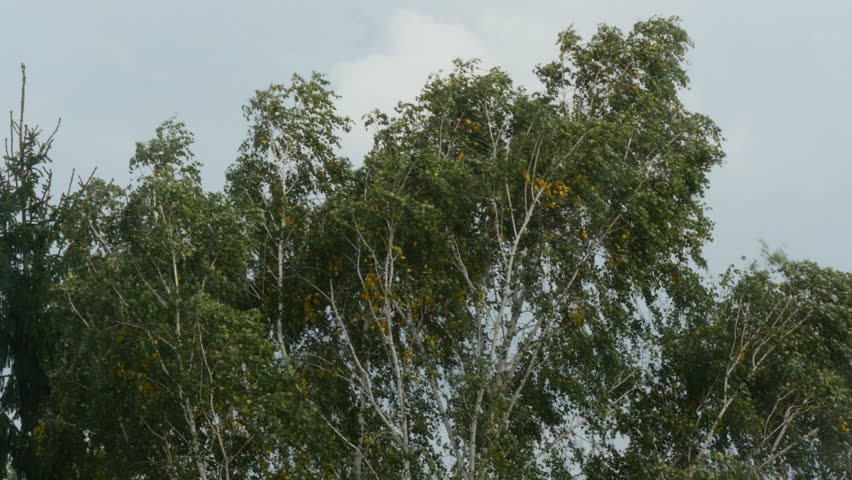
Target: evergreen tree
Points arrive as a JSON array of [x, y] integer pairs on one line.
[[27, 234]]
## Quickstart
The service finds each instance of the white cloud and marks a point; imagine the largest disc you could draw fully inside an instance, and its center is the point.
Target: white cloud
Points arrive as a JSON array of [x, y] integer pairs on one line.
[[518, 43], [419, 45]]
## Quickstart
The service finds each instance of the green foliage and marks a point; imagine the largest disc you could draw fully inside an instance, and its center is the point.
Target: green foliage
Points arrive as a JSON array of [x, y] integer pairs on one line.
[[758, 379], [163, 372], [287, 165], [511, 286]]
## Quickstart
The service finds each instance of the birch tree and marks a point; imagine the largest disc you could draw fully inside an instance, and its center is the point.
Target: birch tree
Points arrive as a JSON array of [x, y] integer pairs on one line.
[[288, 162], [500, 243], [163, 371], [756, 384]]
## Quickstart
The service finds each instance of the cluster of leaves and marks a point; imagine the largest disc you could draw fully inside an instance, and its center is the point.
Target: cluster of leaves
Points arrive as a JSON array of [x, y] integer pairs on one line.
[[509, 287]]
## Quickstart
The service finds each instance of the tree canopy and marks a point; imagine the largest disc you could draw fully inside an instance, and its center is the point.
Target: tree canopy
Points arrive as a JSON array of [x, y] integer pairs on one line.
[[509, 285]]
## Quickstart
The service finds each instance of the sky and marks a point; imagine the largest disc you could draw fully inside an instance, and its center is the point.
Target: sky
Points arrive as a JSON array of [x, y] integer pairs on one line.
[[774, 75]]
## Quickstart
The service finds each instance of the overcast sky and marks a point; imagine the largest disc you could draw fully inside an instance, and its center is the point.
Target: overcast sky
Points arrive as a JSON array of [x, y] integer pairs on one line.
[[775, 75]]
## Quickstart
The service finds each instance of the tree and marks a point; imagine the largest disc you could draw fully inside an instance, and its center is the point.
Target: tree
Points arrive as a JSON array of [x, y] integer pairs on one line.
[[27, 233], [288, 162], [163, 373], [756, 384], [287, 168], [500, 244]]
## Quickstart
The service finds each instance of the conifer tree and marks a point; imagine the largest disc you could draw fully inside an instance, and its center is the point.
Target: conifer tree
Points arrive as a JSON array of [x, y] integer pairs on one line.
[[27, 233]]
